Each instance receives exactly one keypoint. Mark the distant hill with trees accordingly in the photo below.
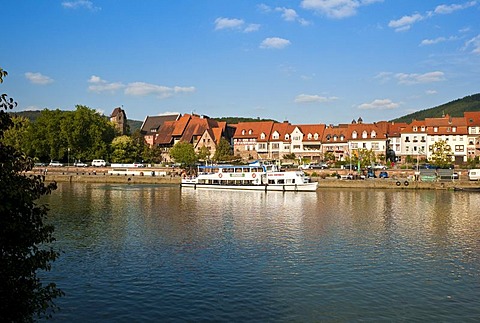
(454, 108)
(34, 114)
(235, 120)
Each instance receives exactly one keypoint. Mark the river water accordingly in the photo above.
(160, 253)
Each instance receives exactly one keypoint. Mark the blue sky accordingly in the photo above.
(305, 61)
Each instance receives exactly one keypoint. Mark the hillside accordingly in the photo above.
(454, 108)
(34, 114)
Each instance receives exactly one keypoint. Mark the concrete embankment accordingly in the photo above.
(401, 183)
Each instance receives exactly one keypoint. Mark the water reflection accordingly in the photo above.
(149, 252)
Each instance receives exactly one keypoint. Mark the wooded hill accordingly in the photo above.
(34, 114)
(454, 108)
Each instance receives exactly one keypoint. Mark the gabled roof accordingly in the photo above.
(472, 118)
(117, 111)
(340, 131)
(253, 130)
(380, 129)
(282, 129)
(312, 129)
(445, 125)
(155, 122)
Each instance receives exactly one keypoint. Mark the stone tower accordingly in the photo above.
(119, 119)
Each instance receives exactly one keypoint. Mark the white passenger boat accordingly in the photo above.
(254, 176)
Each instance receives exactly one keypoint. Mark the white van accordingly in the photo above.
(474, 174)
(98, 163)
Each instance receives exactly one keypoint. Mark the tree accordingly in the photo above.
(184, 153)
(25, 241)
(441, 154)
(124, 150)
(203, 153)
(223, 151)
(17, 135)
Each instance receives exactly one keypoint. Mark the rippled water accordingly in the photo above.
(159, 253)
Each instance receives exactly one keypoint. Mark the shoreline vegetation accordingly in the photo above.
(399, 179)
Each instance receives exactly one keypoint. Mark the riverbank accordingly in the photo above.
(328, 182)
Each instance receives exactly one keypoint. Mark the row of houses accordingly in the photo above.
(274, 140)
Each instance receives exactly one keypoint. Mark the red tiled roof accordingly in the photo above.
(254, 130)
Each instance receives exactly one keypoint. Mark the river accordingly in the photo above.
(160, 253)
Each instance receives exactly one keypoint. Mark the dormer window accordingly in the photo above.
(243, 132)
(309, 136)
(287, 136)
(328, 137)
(262, 135)
(415, 129)
(364, 134)
(373, 134)
(342, 137)
(250, 131)
(354, 135)
(454, 129)
(335, 138)
(315, 136)
(275, 135)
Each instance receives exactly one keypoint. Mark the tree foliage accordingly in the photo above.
(184, 153)
(124, 150)
(223, 151)
(25, 241)
(441, 154)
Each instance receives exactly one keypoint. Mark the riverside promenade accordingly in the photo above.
(399, 179)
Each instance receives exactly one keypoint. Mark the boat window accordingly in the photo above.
(281, 181)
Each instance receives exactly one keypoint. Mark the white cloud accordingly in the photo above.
(473, 43)
(227, 23)
(379, 104)
(336, 8)
(235, 24)
(430, 77)
(144, 89)
(251, 28)
(79, 4)
(426, 42)
(405, 22)
(98, 85)
(447, 9)
(264, 8)
(291, 15)
(431, 92)
(275, 42)
(38, 78)
(307, 98)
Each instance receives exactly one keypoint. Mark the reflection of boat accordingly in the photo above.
(255, 176)
(467, 189)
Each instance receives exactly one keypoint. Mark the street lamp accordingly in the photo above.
(68, 157)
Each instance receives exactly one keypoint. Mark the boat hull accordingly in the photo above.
(307, 187)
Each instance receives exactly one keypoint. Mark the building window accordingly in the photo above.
(243, 132)
(415, 129)
(354, 135)
(373, 134)
(335, 138)
(309, 136)
(454, 129)
(250, 131)
(435, 129)
(459, 148)
(354, 145)
(296, 147)
(375, 146)
(315, 136)
(287, 136)
(407, 139)
(275, 146)
(364, 134)
(262, 135)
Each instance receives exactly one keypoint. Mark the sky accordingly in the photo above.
(302, 61)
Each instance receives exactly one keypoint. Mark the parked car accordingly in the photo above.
(55, 163)
(474, 175)
(371, 174)
(79, 163)
(383, 174)
(98, 163)
(39, 165)
(319, 166)
(347, 166)
(379, 166)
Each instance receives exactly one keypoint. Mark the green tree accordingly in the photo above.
(441, 154)
(124, 150)
(17, 135)
(203, 153)
(25, 241)
(223, 151)
(184, 153)
(367, 157)
(329, 157)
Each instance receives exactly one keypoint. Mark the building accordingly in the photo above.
(119, 119)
